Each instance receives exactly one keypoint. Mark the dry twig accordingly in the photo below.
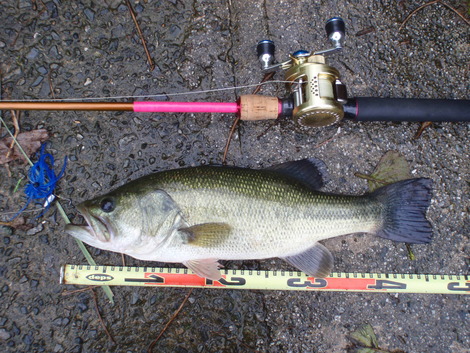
(412, 13)
(99, 316)
(229, 138)
(141, 35)
(365, 31)
(16, 124)
(422, 127)
(456, 12)
(51, 87)
(150, 348)
(329, 139)
(69, 292)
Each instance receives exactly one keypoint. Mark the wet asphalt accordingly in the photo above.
(62, 49)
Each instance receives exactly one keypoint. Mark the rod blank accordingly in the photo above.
(84, 106)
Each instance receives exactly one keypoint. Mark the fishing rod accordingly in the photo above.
(316, 97)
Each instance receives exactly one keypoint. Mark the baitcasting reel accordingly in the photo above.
(317, 92)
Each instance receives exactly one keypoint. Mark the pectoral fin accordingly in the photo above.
(316, 261)
(206, 234)
(208, 268)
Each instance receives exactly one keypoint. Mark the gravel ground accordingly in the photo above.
(91, 49)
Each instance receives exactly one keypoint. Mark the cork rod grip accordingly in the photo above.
(255, 107)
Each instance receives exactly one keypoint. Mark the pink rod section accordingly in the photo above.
(185, 107)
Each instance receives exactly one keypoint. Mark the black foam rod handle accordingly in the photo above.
(405, 109)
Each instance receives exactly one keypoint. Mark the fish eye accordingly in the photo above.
(107, 205)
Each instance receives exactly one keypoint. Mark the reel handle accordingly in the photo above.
(265, 50)
(335, 30)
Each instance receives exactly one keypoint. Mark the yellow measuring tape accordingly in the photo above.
(264, 280)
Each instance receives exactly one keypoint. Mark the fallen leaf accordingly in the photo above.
(366, 341)
(366, 350)
(391, 168)
(365, 336)
(30, 141)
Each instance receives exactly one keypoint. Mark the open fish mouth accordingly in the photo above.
(97, 229)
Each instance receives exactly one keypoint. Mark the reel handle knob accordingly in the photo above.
(265, 50)
(335, 30)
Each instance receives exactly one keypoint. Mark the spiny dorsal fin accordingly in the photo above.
(207, 234)
(316, 261)
(311, 172)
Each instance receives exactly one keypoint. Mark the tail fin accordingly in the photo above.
(405, 204)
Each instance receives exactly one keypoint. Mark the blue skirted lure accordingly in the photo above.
(42, 181)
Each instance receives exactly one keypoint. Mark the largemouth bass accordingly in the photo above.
(199, 215)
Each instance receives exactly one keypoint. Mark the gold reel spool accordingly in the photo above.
(316, 89)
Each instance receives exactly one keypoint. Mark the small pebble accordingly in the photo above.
(44, 238)
(4, 230)
(89, 13)
(82, 307)
(35, 230)
(28, 339)
(33, 54)
(135, 298)
(15, 329)
(153, 299)
(4, 335)
(42, 70)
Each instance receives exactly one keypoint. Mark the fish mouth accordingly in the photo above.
(98, 229)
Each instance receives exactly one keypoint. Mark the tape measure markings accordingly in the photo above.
(265, 280)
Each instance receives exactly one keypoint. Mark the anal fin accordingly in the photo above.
(208, 268)
(316, 261)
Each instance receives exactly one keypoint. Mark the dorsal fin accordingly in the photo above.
(311, 172)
